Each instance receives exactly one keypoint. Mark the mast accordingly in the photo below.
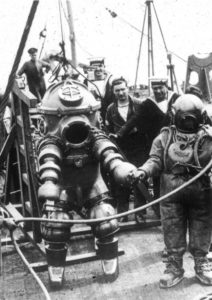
(151, 71)
(72, 34)
(150, 41)
(19, 55)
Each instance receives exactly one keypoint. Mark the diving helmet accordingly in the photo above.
(68, 111)
(188, 113)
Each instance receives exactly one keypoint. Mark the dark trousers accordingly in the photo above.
(137, 156)
(188, 211)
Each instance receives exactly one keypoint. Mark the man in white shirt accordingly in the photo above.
(133, 146)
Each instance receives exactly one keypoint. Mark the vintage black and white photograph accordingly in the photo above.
(106, 150)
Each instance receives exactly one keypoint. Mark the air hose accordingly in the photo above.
(92, 221)
(17, 248)
(136, 210)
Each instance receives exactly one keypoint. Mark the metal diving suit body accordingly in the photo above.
(70, 153)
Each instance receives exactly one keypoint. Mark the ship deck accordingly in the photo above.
(140, 268)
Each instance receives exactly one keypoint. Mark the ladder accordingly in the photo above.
(21, 169)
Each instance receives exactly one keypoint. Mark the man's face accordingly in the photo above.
(33, 56)
(99, 71)
(160, 92)
(121, 92)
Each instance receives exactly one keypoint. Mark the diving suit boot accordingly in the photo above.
(108, 252)
(173, 273)
(56, 264)
(203, 270)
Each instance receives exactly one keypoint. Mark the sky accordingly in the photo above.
(186, 27)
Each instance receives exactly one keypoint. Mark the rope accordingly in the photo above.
(18, 55)
(160, 28)
(136, 210)
(40, 283)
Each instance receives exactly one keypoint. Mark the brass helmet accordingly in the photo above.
(188, 113)
(68, 111)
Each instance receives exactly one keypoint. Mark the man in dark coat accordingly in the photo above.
(151, 115)
(133, 145)
(33, 69)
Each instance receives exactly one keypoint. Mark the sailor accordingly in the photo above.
(152, 114)
(162, 95)
(33, 69)
(178, 153)
(99, 83)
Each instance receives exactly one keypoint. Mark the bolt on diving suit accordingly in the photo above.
(70, 151)
(179, 153)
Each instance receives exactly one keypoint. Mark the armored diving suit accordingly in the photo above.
(178, 153)
(70, 152)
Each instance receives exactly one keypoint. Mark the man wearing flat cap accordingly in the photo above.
(33, 69)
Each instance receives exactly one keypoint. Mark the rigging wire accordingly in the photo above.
(64, 12)
(43, 35)
(83, 49)
(99, 94)
(139, 52)
(172, 73)
(114, 15)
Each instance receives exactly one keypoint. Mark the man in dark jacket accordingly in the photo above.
(33, 69)
(150, 116)
(152, 113)
(133, 145)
